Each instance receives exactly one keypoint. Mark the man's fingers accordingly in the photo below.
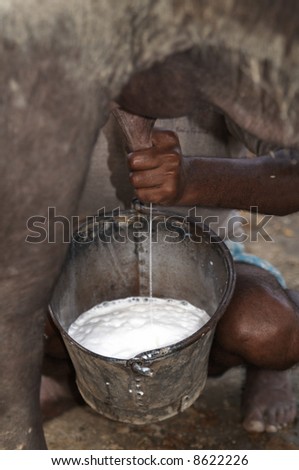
(153, 160)
(155, 172)
(165, 145)
(146, 179)
(143, 160)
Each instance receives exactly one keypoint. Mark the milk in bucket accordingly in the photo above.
(124, 328)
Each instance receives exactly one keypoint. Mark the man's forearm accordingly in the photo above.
(271, 183)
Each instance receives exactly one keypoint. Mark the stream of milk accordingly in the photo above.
(150, 263)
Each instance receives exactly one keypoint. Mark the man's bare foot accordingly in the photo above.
(268, 402)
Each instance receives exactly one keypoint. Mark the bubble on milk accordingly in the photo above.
(124, 328)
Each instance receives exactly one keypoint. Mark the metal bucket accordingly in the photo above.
(109, 259)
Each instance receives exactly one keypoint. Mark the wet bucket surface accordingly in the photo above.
(109, 259)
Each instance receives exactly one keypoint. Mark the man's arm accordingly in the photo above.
(269, 182)
(163, 176)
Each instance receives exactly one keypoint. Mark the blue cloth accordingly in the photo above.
(240, 256)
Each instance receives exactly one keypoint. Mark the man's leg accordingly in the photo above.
(260, 330)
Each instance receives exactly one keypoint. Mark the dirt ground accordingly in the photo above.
(213, 422)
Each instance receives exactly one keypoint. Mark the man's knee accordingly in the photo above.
(261, 324)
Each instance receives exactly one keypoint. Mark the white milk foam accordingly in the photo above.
(124, 328)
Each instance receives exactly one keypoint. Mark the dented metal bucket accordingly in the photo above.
(109, 259)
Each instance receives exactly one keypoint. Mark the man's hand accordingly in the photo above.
(158, 174)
